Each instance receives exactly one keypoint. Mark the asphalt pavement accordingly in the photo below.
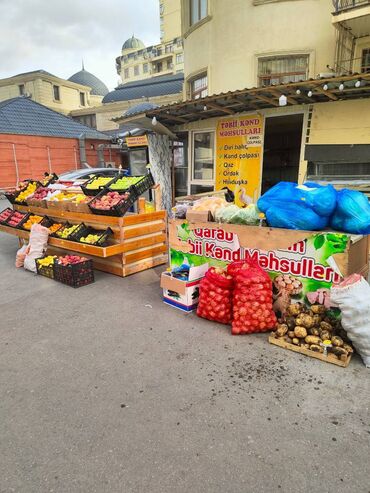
(106, 389)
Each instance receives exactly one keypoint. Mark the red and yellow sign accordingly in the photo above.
(139, 141)
(239, 148)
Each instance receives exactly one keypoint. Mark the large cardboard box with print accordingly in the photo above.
(302, 264)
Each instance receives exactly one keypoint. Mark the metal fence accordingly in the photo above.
(340, 5)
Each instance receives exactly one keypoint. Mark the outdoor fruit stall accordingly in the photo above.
(100, 224)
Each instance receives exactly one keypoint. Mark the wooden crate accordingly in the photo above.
(139, 241)
(330, 358)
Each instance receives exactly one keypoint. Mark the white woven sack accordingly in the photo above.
(38, 243)
(354, 303)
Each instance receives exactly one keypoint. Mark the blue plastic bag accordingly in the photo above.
(292, 206)
(293, 216)
(321, 199)
(352, 214)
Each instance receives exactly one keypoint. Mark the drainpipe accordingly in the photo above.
(101, 161)
(82, 145)
(16, 164)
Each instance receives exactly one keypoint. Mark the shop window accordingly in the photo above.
(145, 68)
(180, 162)
(136, 70)
(180, 58)
(127, 73)
(282, 70)
(199, 87)
(365, 61)
(21, 89)
(56, 93)
(203, 156)
(82, 99)
(198, 10)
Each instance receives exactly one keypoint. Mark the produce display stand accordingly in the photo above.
(329, 358)
(139, 241)
(320, 256)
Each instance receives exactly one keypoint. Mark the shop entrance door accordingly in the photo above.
(282, 149)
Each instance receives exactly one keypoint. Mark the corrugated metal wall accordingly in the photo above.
(35, 155)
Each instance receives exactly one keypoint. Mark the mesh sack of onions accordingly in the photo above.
(252, 301)
(215, 296)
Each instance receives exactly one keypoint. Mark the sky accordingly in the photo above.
(55, 35)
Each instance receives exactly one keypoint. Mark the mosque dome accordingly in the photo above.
(133, 44)
(98, 88)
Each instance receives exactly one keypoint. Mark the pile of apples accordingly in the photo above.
(90, 239)
(71, 260)
(40, 193)
(109, 200)
(99, 181)
(125, 182)
(5, 215)
(65, 232)
(15, 219)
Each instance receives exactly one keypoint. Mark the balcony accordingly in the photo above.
(341, 5)
(353, 15)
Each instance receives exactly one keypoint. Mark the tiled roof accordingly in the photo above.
(26, 117)
(147, 88)
(140, 108)
(40, 71)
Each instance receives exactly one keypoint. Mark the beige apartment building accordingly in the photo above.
(300, 68)
(80, 91)
(138, 61)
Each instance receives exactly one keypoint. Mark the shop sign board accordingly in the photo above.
(239, 155)
(139, 141)
(303, 271)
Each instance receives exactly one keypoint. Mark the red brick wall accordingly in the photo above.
(32, 156)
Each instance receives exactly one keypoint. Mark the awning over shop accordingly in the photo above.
(310, 91)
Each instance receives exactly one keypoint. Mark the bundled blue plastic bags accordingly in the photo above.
(352, 213)
(292, 206)
(314, 207)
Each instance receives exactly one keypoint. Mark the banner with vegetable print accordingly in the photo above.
(303, 272)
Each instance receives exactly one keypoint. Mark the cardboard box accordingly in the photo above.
(183, 295)
(198, 216)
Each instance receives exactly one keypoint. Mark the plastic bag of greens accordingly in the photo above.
(352, 213)
(236, 215)
(225, 214)
(248, 215)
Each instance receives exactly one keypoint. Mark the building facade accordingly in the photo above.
(138, 61)
(286, 64)
(80, 91)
